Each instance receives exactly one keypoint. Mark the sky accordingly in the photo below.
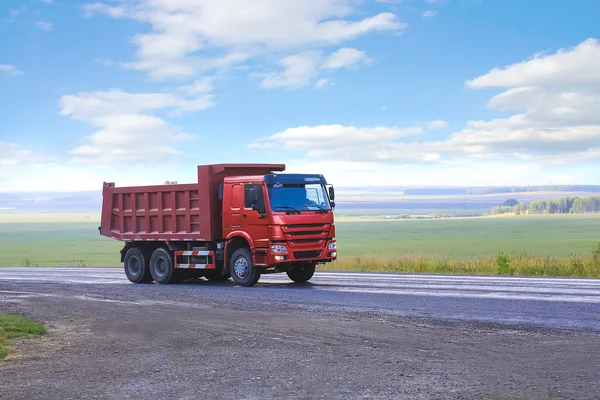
(366, 92)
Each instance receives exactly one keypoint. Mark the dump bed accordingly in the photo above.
(190, 212)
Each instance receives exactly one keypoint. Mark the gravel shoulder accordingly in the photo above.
(115, 348)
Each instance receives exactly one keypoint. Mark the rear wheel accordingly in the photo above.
(302, 273)
(242, 270)
(162, 268)
(136, 265)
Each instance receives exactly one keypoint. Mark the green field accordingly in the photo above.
(461, 245)
(464, 238)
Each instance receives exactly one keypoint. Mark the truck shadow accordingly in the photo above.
(231, 283)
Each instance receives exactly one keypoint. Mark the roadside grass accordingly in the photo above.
(16, 326)
(574, 266)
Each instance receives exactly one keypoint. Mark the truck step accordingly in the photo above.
(209, 255)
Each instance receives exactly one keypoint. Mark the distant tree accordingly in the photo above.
(510, 203)
(564, 205)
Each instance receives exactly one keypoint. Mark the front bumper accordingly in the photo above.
(293, 254)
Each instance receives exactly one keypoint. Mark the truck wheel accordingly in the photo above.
(242, 270)
(161, 267)
(302, 273)
(136, 266)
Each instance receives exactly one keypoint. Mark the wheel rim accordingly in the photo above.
(160, 267)
(133, 266)
(241, 267)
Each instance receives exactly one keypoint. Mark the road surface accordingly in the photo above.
(343, 335)
(543, 302)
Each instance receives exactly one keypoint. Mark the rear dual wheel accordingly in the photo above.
(137, 265)
(162, 268)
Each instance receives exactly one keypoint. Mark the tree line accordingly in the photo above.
(563, 205)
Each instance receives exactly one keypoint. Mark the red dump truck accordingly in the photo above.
(238, 221)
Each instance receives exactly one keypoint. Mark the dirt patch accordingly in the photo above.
(57, 339)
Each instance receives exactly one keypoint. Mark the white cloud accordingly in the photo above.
(128, 131)
(352, 174)
(322, 83)
(558, 96)
(68, 177)
(345, 57)
(437, 125)
(10, 154)
(9, 70)
(301, 69)
(298, 70)
(46, 26)
(574, 66)
(14, 160)
(429, 14)
(186, 34)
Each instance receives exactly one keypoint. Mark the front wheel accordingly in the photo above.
(241, 268)
(302, 273)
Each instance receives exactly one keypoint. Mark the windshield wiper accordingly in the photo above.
(321, 208)
(292, 209)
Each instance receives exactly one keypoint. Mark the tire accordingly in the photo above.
(162, 269)
(302, 273)
(241, 268)
(136, 266)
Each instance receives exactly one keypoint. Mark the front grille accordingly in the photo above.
(307, 254)
(307, 233)
(296, 226)
(298, 241)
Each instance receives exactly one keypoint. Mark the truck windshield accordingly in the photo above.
(298, 197)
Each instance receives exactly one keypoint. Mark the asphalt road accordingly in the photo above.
(342, 336)
(541, 302)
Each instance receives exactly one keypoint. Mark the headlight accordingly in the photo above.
(332, 246)
(278, 249)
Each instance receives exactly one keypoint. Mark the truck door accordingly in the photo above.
(237, 196)
(253, 220)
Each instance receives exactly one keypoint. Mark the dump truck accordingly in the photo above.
(238, 221)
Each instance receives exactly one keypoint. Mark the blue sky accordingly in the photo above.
(371, 92)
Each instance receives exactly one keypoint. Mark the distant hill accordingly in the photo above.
(49, 202)
(471, 190)
(527, 189)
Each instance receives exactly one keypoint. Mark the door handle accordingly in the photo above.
(244, 215)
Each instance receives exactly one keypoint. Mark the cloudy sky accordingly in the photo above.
(367, 92)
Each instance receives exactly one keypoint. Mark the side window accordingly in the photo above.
(248, 195)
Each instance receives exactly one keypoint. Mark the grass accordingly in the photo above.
(52, 244)
(550, 245)
(16, 326)
(580, 266)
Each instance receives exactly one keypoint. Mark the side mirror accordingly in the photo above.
(331, 193)
(257, 205)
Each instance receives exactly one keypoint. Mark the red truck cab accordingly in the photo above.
(287, 219)
(238, 221)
